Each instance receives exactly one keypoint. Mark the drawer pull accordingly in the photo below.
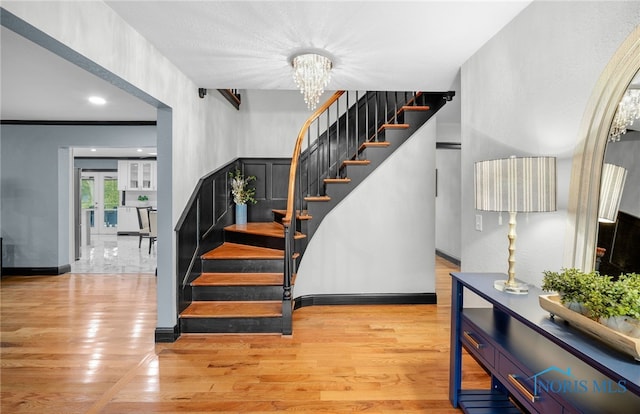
(513, 379)
(474, 343)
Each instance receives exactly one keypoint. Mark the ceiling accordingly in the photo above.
(375, 45)
(381, 45)
(39, 85)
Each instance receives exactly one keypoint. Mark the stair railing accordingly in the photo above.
(327, 146)
(289, 232)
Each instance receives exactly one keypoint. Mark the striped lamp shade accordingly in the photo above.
(611, 186)
(526, 184)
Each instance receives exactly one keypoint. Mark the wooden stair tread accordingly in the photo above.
(337, 180)
(271, 229)
(242, 251)
(233, 309)
(317, 198)
(415, 108)
(300, 215)
(393, 126)
(374, 144)
(238, 279)
(356, 162)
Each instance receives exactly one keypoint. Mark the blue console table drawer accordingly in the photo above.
(520, 383)
(477, 344)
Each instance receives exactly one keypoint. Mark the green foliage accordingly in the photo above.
(111, 194)
(242, 193)
(86, 193)
(600, 294)
(143, 198)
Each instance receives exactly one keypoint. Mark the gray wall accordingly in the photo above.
(448, 202)
(271, 121)
(525, 92)
(96, 163)
(36, 186)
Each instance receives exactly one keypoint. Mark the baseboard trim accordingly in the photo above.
(367, 299)
(36, 271)
(167, 334)
(447, 257)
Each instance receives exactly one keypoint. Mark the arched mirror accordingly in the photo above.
(620, 74)
(619, 208)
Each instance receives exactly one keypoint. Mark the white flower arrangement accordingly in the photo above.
(242, 194)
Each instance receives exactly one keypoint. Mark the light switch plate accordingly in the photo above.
(478, 222)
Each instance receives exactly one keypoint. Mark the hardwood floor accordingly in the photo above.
(84, 344)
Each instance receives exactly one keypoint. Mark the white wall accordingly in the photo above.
(387, 247)
(525, 92)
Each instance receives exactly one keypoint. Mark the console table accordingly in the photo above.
(537, 363)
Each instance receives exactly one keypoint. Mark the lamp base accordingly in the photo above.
(517, 288)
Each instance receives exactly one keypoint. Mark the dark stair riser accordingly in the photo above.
(237, 293)
(255, 240)
(416, 117)
(231, 325)
(243, 266)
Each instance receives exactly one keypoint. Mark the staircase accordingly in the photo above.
(240, 288)
(243, 283)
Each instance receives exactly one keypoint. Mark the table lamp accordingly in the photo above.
(514, 185)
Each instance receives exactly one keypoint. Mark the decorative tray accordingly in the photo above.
(615, 339)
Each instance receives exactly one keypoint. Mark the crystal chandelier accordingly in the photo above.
(628, 111)
(312, 73)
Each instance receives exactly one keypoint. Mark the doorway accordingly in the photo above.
(99, 198)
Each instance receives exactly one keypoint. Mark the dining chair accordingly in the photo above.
(153, 227)
(143, 222)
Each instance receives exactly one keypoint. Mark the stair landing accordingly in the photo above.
(270, 229)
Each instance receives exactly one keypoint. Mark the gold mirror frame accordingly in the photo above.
(589, 155)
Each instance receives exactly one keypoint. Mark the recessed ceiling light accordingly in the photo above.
(93, 150)
(153, 153)
(96, 100)
(139, 150)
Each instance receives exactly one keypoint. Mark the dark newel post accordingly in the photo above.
(395, 107)
(347, 127)
(377, 110)
(337, 139)
(328, 165)
(366, 119)
(307, 167)
(357, 135)
(299, 199)
(287, 328)
(318, 157)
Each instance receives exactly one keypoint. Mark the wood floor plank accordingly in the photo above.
(85, 344)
